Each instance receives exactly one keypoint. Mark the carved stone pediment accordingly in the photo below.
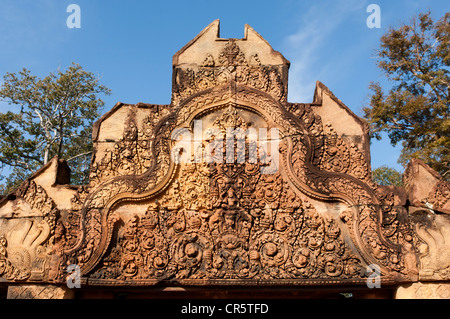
(230, 184)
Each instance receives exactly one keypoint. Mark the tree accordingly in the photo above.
(415, 110)
(385, 175)
(55, 115)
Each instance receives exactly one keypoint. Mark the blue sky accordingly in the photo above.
(130, 44)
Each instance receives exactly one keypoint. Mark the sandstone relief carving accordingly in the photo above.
(230, 184)
(25, 243)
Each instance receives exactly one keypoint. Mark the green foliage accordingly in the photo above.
(415, 111)
(385, 175)
(55, 117)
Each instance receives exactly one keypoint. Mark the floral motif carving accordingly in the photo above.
(341, 157)
(187, 208)
(374, 221)
(145, 218)
(230, 65)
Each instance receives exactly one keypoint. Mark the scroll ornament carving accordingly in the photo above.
(439, 196)
(343, 158)
(380, 226)
(260, 231)
(230, 64)
(430, 237)
(131, 155)
(267, 254)
(220, 222)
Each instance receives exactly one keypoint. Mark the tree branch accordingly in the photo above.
(79, 155)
